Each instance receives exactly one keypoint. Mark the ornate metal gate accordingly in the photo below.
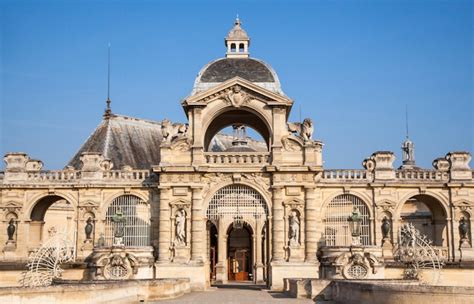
(336, 226)
(236, 200)
(137, 221)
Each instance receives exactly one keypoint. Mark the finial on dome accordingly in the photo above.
(237, 41)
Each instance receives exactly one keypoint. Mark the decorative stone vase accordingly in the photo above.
(88, 228)
(463, 228)
(385, 227)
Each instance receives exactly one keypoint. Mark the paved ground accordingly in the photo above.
(236, 293)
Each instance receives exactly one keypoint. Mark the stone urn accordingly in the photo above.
(385, 227)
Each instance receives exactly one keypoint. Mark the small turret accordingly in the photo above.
(237, 42)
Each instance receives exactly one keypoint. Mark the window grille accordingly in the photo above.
(234, 200)
(336, 226)
(137, 225)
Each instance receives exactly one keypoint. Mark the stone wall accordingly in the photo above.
(98, 292)
(378, 291)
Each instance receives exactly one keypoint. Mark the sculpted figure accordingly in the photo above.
(294, 228)
(11, 229)
(88, 228)
(170, 130)
(305, 129)
(180, 227)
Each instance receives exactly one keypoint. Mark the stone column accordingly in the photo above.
(198, 228)
(164, 241)
(221, 266)
(311, 237)
(278, 227)
(258, 274)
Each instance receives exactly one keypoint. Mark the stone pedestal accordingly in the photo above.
(387, 249)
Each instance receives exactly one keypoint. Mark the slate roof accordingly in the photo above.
(135, 142)
(248, 68)
(126, 141)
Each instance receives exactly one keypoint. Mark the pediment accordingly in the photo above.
(12, 204)
(237, 91)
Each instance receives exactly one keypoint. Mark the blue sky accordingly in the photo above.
(352, 66)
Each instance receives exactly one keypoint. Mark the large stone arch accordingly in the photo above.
(364, 197)
(225, 116)
(336, 227)
(444, 202)
(214, 189)
(109, 199)
(33, 201)
(435, 224)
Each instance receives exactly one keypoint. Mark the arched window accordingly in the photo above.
(336, 226)
(241, 48)
(137, 221)
(237, 200)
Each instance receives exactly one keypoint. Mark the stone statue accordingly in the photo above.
(305, 129)
(119, 227)
(385, 227)
(11, 229)
(170, 130)
(294, 228)
(88, 228)
(180, 223)
(463, 228)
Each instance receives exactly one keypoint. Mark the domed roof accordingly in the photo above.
(251, 69)
(227, 68)
(237, 64)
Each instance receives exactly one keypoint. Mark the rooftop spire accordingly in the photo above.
(108, 110)
(408, 148)
(237, 41)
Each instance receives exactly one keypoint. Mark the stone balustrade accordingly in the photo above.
(54, 176)
(77, 176)
(415, 175)
(346, 175)
(241, 158)
(133, 175)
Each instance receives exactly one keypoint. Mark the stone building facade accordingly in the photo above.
(212, 207)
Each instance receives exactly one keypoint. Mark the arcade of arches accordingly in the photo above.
(149, 199)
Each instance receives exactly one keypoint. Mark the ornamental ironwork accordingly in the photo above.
(415, 250)
(45, 263)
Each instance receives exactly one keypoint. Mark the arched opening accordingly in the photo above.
(233, 47)
(336, 225)
(237, 138)
(241, 48)
(239, 214)
(136, 224)
(239, 253)
(240, 117)
(427, 214)
(49, 215)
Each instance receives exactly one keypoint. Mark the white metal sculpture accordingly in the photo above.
(416, 252)
(45, 263)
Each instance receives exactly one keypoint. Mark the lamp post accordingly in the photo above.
(354, 225)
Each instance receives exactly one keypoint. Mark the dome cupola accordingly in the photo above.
(237, 41)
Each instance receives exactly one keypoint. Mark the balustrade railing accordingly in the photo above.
(240, 158)
(415, 175)
(346, 175)
(54, 175)
(134, 175)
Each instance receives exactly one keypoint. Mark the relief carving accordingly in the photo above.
(236, 96)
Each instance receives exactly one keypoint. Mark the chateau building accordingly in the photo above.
(156, 199)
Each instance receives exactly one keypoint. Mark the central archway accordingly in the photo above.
(240, 116)
(239, 214)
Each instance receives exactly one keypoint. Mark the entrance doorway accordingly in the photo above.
(239, 254)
